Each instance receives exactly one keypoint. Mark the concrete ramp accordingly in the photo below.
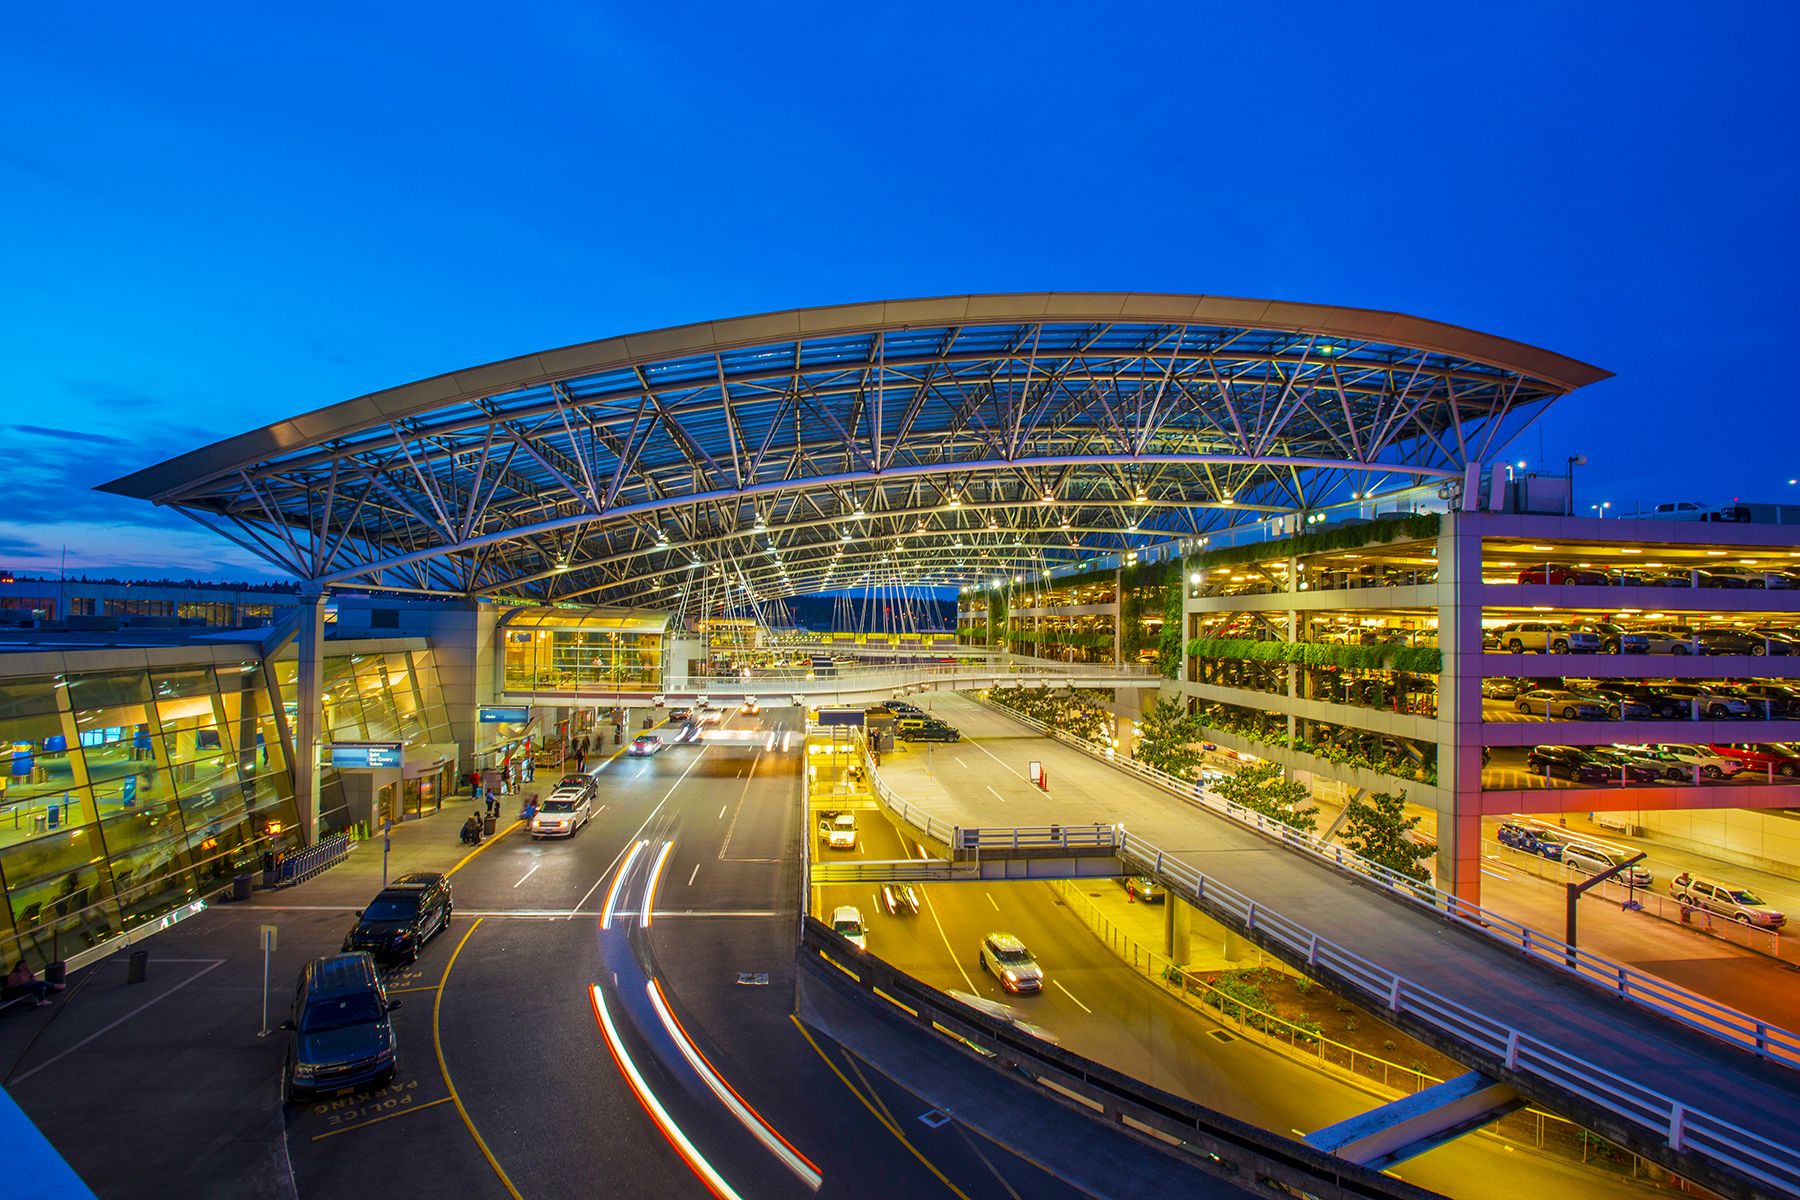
(1423, 1121)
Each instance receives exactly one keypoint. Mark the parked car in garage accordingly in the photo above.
(1710, 763)
(1547, 637)
(1495, 688)
(1561, 702)
(1557, 574)
(1616, 639)
(1622, 764)
(1566, 762)
(1710, 701)
(1778, 758)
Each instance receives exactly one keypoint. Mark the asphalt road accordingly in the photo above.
(1099, 1008)
(981, 782)
(549, 1091)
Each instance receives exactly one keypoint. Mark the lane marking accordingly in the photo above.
(696, 871)
(330, 1133)
(1071, 995)
(213, 965)
(996, 795)
(990, 900)
(954, 956)
(528, 874)
(722, 809)
(883, 1121)
(437, 1044)
(999, 760)
(423, 987)
(960, 762)
(486, 843)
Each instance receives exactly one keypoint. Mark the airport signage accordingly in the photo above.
(504, 714)
(365, 756)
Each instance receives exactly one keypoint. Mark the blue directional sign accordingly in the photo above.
(367, 755)
(502, 714)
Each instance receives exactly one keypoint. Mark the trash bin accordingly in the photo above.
(56, 974)
(240, 886)
(487, 827)
(137, 968)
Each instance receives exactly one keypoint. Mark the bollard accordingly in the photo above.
(137, 967)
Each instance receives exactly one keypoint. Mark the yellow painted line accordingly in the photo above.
(430, 987)
(330, 1133)
(437, 1044)
(486, 842)
(876, 1113)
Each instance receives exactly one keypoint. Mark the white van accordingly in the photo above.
(1590, 859)
(847, 923)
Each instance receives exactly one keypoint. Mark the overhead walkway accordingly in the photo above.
(1675, 1093)
(844, 683)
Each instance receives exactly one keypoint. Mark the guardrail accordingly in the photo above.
(1692, 1009)
(304, 864)
(1038, 837)
(1211, 1141)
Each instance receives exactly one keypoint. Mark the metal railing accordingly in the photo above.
(1692, 1009)
(1037, 837)
(304, 864)
(1684, 1129)
(1532, 1126)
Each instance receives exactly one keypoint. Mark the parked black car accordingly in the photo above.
(342, 1036)
(1720, 641)
(1568, 763)
(403, 917)
(931, 732)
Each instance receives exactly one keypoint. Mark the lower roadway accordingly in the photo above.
(1098, 1007)
(982, 782)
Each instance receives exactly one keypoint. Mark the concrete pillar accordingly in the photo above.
(309, 712)
(1459, 727)
(1178, 928)
(1234, 947)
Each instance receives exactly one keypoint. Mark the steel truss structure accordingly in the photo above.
(929, 442)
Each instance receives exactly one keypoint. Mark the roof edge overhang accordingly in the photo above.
(351, 416)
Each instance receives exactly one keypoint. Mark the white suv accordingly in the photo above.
(1546, 637)
(1006, 959)
(841, 833)
(847, 923)
(1726, 900)
(563, 812)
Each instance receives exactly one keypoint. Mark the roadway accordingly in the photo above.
(507, 1084)
(982, 782)
(1098, 1007)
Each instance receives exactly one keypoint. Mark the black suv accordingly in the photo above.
(403, 917)
(931, 732)
(342, 1036)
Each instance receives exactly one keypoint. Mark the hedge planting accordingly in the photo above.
(1414, 660)
(1348, 537)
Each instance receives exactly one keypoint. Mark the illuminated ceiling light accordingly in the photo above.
(1226, 498)
(1194, 577)
(1047, 498)
(1142, 497)
(562, 566)
(1065, 524)
(955, 501)
(760, 524)
(859, 514)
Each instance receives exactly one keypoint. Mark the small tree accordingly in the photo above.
(1263, 789)
(1375, 826)
(1166, 737)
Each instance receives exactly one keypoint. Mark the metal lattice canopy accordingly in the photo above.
(927, 442)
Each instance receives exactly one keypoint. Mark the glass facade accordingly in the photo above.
(126, 792)
(568, 650)
(373, 696)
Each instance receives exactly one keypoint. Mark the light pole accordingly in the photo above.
(1575, 460)
(1599, 510)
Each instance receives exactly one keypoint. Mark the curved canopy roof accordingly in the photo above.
(918, 441)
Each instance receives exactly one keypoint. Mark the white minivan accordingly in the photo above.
(847, 923)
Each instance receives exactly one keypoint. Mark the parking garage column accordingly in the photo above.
(309, 711)
(1459, 728)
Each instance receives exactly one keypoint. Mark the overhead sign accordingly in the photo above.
(503, 714)
(366, 755)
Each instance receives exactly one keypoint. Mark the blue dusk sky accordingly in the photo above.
(215, 216)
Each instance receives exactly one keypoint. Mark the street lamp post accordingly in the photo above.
(1575, 460)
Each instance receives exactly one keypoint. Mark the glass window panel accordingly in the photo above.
(102, 690)
(29, 694)
(35, 759)
(197, 681)
(57, 890)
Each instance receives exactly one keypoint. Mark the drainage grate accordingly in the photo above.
(937, 1118)
(753, 979)
(1221, 1035)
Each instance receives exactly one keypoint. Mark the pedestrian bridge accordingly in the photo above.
(847, 683)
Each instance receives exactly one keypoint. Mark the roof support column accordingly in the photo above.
(309, 712)
(1459, 728)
